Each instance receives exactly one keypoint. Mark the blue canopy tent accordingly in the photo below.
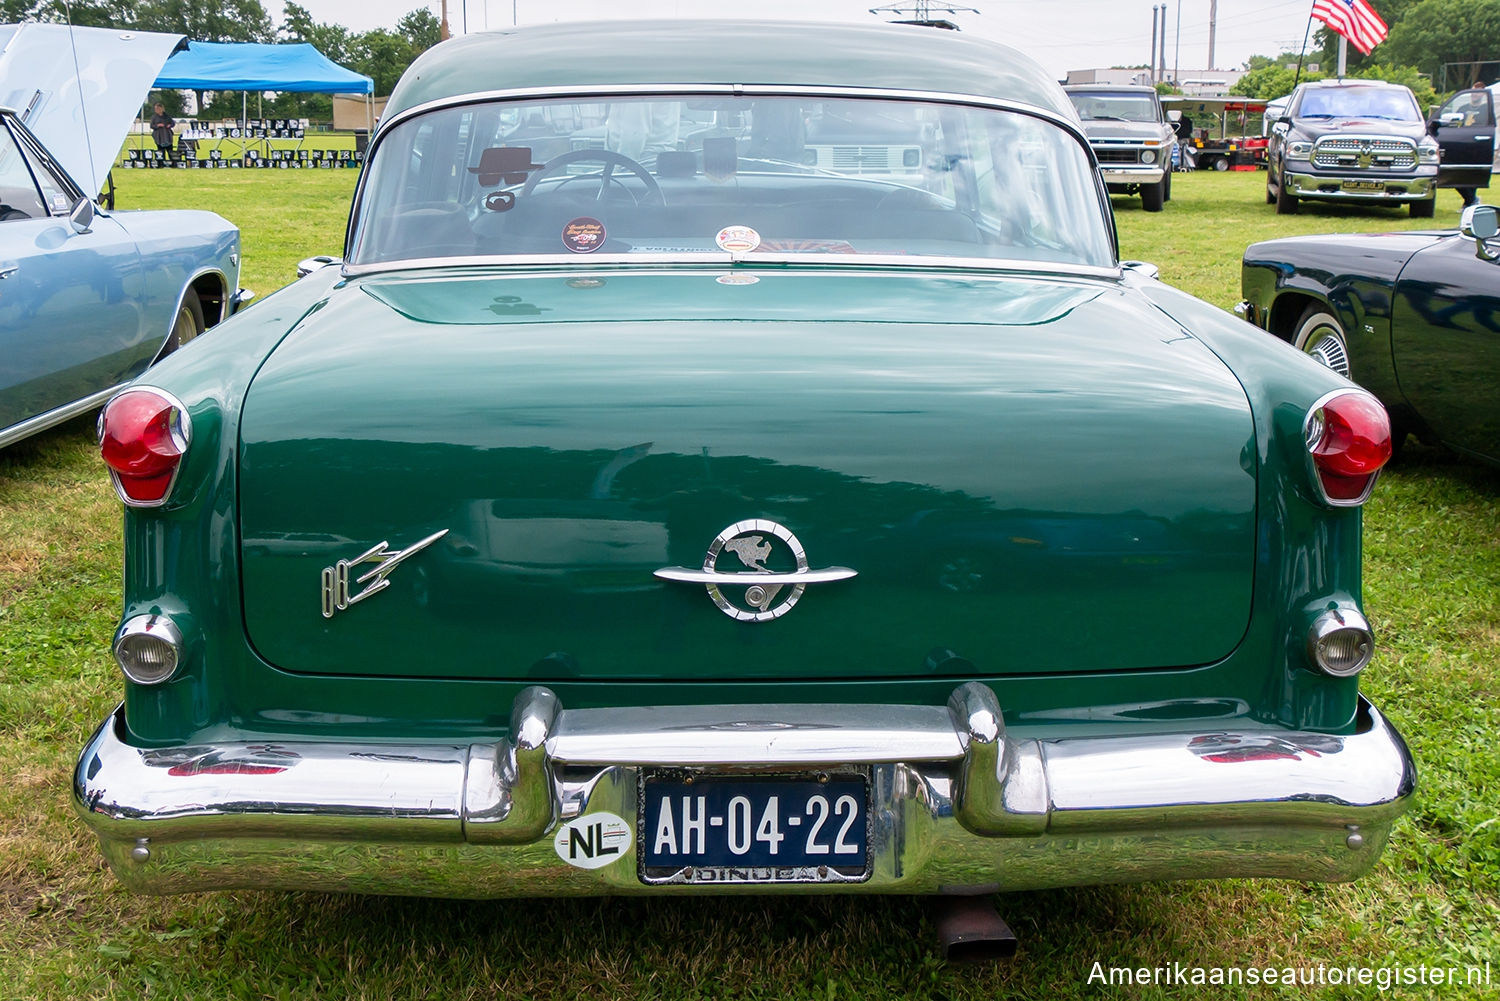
(247, 66)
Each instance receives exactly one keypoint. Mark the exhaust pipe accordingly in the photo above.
(970, 931)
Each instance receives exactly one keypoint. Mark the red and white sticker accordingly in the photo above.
(737, 239)
(593, 841)
(583, 235)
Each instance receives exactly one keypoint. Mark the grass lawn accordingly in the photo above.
(1432, 590)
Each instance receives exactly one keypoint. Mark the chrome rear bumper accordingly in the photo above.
(956, 805)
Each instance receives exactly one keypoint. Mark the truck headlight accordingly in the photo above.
(1148, 156)
(1299, 150)
(1427, 151)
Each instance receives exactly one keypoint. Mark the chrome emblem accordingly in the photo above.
(336, 596)
(752, 543)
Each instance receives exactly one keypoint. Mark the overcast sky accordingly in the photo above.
(1060, 34)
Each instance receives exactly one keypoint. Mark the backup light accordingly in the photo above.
(1348, 437)
(143, 434)
(148, 648)
(1340, 642)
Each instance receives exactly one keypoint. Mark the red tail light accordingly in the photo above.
(143, 434)
(1349, 439)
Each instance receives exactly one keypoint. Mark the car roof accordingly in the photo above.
(1322, 84)
(573, 55)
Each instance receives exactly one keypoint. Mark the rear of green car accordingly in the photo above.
(652, 529)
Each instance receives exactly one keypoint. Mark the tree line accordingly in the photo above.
(1433, 44)
(380, 54)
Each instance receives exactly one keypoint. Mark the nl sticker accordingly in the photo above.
(583, 235)
(592, 841)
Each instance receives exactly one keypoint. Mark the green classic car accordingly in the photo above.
(646, 505)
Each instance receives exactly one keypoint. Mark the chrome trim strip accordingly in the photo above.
(753, 577)
(870, 262)
(986, 811)
(754, 735)
(66, 412)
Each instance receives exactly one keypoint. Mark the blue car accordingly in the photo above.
(89, 299)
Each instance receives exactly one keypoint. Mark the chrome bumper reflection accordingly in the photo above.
(964, 806)
(1143, 174)
(1413, 188)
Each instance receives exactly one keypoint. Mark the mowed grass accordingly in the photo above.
(1432, 590)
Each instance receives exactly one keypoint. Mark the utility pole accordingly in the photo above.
(1164, 40)
(1213, 23)
(443, 33)
(1154, 9)
(1177, 49)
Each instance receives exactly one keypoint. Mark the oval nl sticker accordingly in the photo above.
(593, 841)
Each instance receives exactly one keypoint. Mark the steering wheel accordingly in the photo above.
(610, 159)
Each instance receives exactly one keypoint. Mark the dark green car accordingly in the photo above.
(649, 503)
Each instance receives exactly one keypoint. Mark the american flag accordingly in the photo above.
(1356, 20)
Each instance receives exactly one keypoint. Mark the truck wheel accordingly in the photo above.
(1286, 203)
(1222, 163)
(1423, 209)
(1320, 335)
(1270, 192)
(1166, 191)
(1153, 195)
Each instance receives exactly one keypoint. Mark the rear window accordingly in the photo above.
(769, 175)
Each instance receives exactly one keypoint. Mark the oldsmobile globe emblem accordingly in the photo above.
(756, 593)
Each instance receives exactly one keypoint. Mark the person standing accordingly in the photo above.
(161, 128)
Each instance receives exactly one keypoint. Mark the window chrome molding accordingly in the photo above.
(719, 260)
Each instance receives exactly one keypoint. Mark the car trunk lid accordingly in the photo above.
(1025, 475)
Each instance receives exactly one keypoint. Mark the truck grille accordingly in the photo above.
(1118, 155)
(1363, 152)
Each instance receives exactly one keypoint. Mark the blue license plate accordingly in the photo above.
(737, 829)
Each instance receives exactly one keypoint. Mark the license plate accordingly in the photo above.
(737, 829)
(1364, 185)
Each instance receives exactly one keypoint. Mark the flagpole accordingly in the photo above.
(1343, 55)
(1306, 34)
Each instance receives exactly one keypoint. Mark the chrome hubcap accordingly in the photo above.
(1328, 348)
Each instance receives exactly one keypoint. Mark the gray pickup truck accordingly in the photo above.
(1131, 139)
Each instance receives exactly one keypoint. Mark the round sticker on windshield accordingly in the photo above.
(737, 239)
(737, 280)
(583, 235)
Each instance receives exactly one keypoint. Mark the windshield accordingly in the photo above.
(770, 175)
(1115, 107)
(1392, 103)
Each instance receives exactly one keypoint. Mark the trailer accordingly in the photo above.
(1224, 133)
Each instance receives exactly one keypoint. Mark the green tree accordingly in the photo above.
(1435, 32)
(382, 56)
(1270, 82)
(1410, 76)
(421, 28)
(330, 39)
